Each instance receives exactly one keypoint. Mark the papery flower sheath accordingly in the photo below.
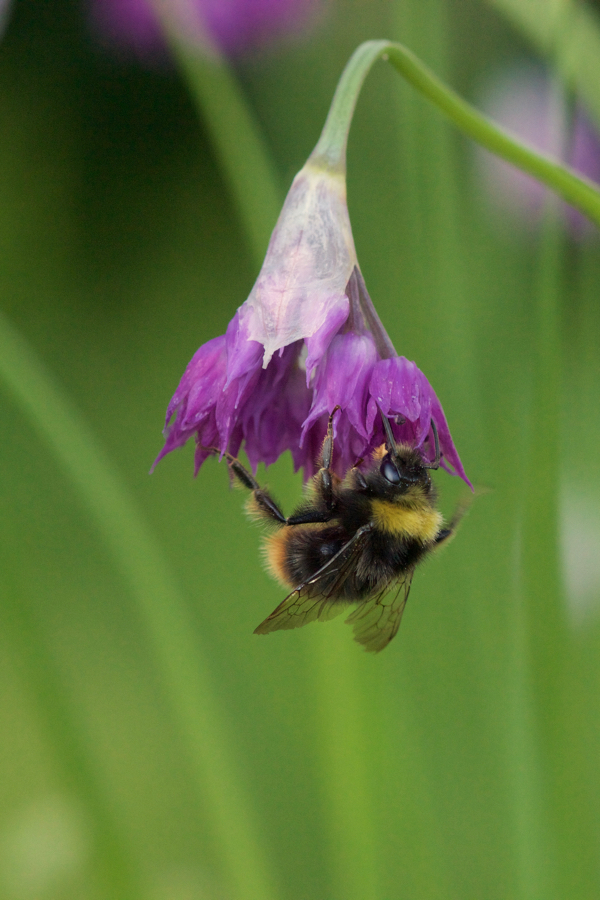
(307, 340)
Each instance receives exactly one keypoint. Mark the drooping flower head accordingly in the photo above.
(234, 26)
(307, 340)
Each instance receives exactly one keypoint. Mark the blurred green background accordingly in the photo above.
(151, 746)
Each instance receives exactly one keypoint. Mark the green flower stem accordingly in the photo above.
(162, 609)
(112, 860)
(331, 147)
(239, 145)
(347, 782)
(545, 632)
(550, 647)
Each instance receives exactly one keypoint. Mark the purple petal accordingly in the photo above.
(201, 384)
(273, 414)
(243, 354)
(317, 343)
(349, 445)
(398, 388)
(202, 451)
(342, 379)
(195, 399)
(450, 458)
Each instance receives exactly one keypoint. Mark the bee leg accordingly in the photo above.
(450, 530)
(265, 505)
(444, 534)
(325, 472)
(359, 478)
(327, 451)
(324, 482)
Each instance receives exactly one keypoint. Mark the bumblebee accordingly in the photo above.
(355, 541)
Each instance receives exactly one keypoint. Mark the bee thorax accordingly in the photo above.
(420, 524)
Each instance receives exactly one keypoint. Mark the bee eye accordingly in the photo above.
(389, 471)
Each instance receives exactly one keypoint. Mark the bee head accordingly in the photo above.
(403, 469)
(403, 466)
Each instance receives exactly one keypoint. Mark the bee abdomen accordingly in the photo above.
(293, 555)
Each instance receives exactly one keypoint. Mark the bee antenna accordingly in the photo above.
(389, 434)
(436, 463)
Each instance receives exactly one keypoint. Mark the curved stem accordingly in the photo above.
(330, 151)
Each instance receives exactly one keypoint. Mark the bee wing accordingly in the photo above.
(376, 621)
(313, 599)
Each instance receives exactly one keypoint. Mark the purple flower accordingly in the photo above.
(235, 26)
(306, 340)
(520, 99)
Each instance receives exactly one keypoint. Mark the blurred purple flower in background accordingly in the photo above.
(306, 340)
(234, 26)
(519, 97)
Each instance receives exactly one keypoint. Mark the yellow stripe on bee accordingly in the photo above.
(421, 524)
